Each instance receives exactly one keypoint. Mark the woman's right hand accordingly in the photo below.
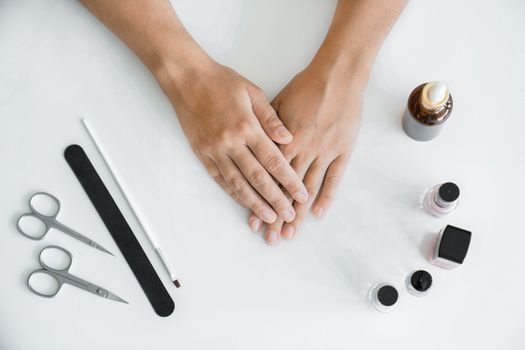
(232, 128)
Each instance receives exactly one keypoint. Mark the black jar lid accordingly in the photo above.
(421, 280)
(387, 295)
(449, 192)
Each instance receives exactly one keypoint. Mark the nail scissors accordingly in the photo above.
(48, 219)
(58, 272)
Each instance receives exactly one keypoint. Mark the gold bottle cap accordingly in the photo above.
(434, 95)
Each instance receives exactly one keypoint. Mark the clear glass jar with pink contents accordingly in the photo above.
(441, 199)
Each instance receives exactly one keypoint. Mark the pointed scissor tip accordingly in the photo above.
(99, 247)
(114, 297)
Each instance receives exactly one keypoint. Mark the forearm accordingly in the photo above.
(153, 31)
(358, 29)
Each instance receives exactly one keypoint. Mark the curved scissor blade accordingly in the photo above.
(66, 277)
(76, 235)
(116, 298)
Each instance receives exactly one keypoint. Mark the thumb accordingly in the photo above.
(270, 122)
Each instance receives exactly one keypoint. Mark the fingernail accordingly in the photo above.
(301, 196)
(284, 133)
(288, 215)
(318, 212)
(272, 237)
(254, 223)
(288, 231)
(268, 216)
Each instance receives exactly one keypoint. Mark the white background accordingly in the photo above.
(58, 63)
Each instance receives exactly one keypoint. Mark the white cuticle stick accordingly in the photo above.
(131, 202)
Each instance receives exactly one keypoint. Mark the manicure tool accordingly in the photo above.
(154, 242)
(61, 276)
(48, 219)
(119, 229)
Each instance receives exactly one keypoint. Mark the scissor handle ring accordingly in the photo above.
(52, 269)
(45, 194)
(49, 273)
(33, 237)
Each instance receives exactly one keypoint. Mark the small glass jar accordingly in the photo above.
(441, 199)
(383, 297)
(419, 283)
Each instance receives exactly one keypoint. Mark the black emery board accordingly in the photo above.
(116, 224)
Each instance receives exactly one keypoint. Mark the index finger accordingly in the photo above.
(271, 158)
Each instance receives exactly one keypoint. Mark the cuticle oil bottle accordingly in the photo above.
(429, 106)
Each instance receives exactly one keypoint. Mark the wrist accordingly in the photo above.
(345, 70)
(176, 63)
(354, 38)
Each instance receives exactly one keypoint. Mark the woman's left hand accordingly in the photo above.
(323, 113)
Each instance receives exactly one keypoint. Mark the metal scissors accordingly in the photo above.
(48, 219)
(59, 274)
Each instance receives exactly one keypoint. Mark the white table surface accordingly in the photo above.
(58, 63)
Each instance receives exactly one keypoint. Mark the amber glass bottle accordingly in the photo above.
(429, 106)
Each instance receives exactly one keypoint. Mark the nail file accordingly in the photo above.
(119, 229)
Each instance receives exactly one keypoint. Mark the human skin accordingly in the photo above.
(321, 106)
(239, 137)
(231, 126)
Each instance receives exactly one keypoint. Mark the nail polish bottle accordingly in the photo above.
(383, 297)
(428, 108)
(451, 247)
(441, 199)
(419, 283)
